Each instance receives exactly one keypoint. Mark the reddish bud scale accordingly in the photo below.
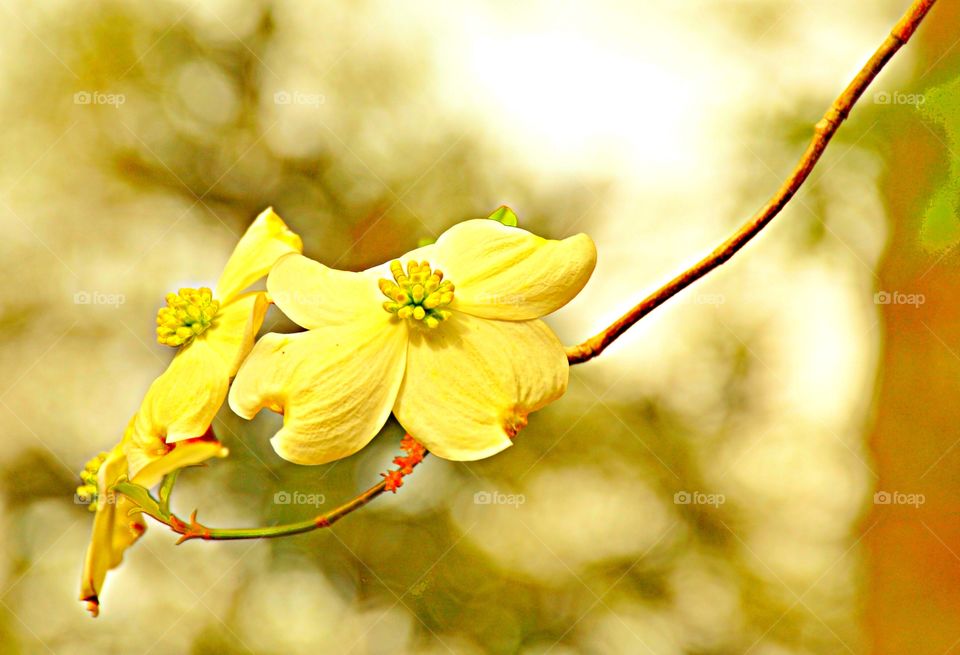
(393, 480)
(192, 530)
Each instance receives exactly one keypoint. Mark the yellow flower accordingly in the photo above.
(118, 524)
(214, 331)
(458, 356)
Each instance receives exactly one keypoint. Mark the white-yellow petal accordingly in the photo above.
(335, 386)
(183, 401)
(471, 382)
(266, 240)
(313, 295)
(510, 274)
(235, 328)
(182, 454)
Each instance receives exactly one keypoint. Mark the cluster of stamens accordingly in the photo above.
(188, 313)
(87, 492)
(419, 293)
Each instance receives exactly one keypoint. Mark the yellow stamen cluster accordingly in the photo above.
(188, 313)
(419, 293)
(87, 492)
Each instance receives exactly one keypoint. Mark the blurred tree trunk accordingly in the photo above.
(913, 586)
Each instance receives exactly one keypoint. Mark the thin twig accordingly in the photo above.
(823, 133)
(193, 529)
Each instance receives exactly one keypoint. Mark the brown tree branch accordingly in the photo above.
(823, 133)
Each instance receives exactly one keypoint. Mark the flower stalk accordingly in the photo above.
(159, 508)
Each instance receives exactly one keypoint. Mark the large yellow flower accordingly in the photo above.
(118, 524)
(214, 331)
(458, 356)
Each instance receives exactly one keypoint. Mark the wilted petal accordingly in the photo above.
(507, 273)
(471, 382)
(114, 530)
(334, 385)
(266, 240)
(118, 523)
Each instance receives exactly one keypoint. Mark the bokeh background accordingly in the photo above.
(766, 465)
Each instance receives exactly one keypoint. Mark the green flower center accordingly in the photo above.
(188, 313)
(87, 492)
(418, 294)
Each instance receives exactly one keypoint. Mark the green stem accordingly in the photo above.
(166, 489)
(192, 529)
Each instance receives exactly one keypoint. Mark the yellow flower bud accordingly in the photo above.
(188, 313)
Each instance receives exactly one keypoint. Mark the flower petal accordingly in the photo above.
(114, 530)
(182, 402)
(510, 274)
(266, 240)
(334, 385)
(471, 382)
(234, 329)
(313, 295)
(117, 524)
(182, 454)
